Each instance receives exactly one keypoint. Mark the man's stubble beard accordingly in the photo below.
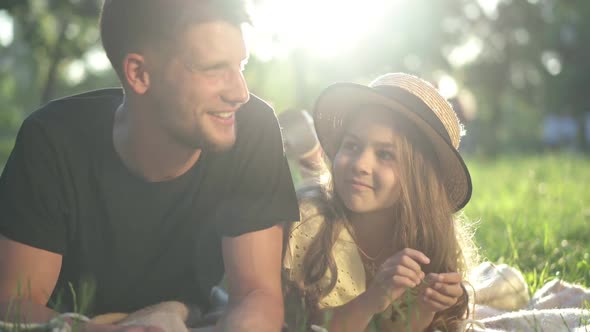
(199, 140)
(192, 138)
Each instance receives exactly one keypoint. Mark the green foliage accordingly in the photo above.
(534, 212)
(47, 37)
(509, 78)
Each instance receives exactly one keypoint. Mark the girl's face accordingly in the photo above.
(366, 168)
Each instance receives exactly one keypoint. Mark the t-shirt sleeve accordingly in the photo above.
(30, 203)
(262, 193)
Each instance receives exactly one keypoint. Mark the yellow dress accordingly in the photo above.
(351, 272)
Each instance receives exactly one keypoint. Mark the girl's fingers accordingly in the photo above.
(415, 255)
(432, 295)
(401, 281)
(446, 283)
(404, 271)
(450, 290)
(396, 287)
(432, 305)
(449, 278)
(404, 261)
(409, 257)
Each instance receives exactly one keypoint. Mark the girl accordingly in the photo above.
(379, 244)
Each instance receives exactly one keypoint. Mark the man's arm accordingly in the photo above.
(253, 270)
(27, 278)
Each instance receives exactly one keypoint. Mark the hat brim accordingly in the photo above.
(338, 100)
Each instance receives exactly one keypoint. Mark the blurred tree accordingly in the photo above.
(570, 32)
(520, 59)
(49, 37)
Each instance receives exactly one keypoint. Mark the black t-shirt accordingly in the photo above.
(64, 189)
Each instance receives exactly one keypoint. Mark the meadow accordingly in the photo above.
(533, 212)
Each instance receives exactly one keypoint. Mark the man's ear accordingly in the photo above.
(135, 73)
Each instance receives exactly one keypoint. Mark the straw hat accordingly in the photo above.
(412, 97)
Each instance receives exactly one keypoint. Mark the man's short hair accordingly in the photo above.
(130, 26)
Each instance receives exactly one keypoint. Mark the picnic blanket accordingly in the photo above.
(501, 302)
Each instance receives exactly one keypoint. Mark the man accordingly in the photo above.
(148, 195)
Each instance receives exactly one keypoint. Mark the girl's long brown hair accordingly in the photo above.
(423, 220)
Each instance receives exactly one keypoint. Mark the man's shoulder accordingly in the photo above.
(256, 111)
(77, 107)
(257, 104)
(74, 120)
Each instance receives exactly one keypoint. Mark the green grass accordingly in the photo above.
(533, 212)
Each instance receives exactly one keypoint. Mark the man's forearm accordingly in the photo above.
(25, 311)
(28, 312)
(258, 311)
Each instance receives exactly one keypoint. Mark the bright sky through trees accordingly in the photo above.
(6, 28)
(322, 28)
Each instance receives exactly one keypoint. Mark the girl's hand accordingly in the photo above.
(443, 291)
(398, 273)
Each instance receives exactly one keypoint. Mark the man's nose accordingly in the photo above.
(236, 92)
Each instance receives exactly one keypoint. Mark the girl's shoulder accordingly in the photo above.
(300, 236)
(350, 270)
(312, 206)
(302, 233)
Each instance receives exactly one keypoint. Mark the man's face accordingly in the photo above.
(198, 90)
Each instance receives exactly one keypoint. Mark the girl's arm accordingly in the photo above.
(395, 275)
(443, 291)
(353, 316)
